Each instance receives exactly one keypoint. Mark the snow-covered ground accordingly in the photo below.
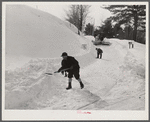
(115, 82)
(118, 78)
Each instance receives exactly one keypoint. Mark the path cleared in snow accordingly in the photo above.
(119, 78)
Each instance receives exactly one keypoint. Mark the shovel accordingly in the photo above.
(57, 71)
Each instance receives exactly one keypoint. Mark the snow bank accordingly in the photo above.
(29, 81)
(32, 33)
(32, 36)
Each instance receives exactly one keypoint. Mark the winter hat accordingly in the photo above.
(64, 54)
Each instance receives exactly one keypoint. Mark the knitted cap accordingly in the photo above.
(64, 54)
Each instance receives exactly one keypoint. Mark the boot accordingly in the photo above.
(69, 86)
(82, 85)
(65, 74)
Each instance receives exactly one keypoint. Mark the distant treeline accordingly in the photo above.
(127, 22)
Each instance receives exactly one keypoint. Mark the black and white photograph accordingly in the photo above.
(75, 60)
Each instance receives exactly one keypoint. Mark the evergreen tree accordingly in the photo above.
(89, 29)
(106, 29)
(130, 14)
(117, 31)
(128, 32)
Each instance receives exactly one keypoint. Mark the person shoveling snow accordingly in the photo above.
(71, 65)
(99, 52)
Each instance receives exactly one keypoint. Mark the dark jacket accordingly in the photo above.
(99, 50)
(68, 63)
(101, 38)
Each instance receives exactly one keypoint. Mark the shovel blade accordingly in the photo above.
(49, 73)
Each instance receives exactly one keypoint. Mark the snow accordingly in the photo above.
(115, 82)
(32, 33)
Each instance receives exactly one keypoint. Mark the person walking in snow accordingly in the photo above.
(73, 68)
(99, 52)
(130, 44)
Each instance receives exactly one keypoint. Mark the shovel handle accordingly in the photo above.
(57, 71)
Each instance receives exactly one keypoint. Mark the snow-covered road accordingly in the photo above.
(118, 79)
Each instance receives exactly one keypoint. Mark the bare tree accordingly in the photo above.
(77, 15)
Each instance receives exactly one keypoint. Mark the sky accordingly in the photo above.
(96, 16)
(96, 13)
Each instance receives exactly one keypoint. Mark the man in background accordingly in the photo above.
(99, 52)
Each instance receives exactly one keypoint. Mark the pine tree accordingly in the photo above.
(89, 29)
(106, 29)
(130, 14)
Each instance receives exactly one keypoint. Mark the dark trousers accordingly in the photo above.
(130, 45)
(99, 54)
(74, 72)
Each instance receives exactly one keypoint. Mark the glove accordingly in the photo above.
(71, 67)
(56, 72)
(62, 72)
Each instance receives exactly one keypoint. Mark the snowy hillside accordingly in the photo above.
(31, 33)
(115, 82)
(34, 43)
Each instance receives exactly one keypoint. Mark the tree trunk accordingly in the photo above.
(81, 17)
(135, 24)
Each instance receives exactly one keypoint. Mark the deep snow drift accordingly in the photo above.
(38, 38)
(115, 82)
(31, 33)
